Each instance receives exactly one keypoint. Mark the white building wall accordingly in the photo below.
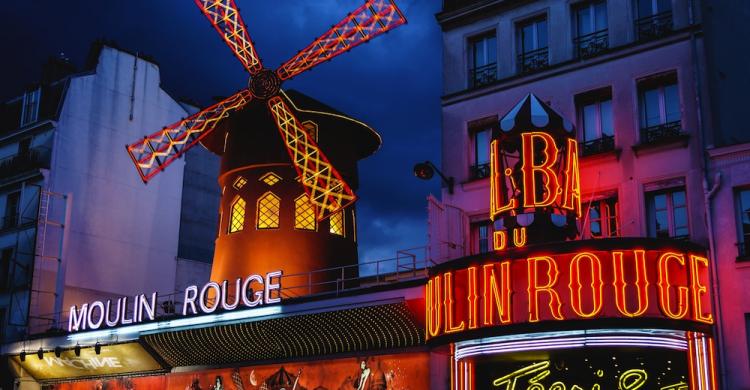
(122, 236)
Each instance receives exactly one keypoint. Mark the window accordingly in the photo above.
(239, 182)
(482, 59)
(12, 204)
(481, 165)
(601, 220)
(304, 214)
(336, 222)
(269, 206)
(482, 233)
(659, 109)
(312, 129)
(591, 28)
(654, 18)
(237, 220)
(30, 107)
(270, 178)
(597, 132)
(667, 214)
(532, 44)
(742, 205)
(6, 261)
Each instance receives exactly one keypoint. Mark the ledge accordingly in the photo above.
(680, 141)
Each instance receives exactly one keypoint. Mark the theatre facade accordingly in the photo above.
(544, 310)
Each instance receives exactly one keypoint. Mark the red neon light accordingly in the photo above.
(432, 301)
(450, 327)
(576, 287)
(472, 297)
(572, 181)
(494, 297)
(531, 168)
(698, 290)
(641, 282)
(665, 284)
(535, 288)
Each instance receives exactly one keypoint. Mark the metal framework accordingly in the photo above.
(324, 185)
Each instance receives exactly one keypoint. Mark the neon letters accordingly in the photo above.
(581, 285)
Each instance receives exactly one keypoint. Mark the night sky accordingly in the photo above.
(393, 83)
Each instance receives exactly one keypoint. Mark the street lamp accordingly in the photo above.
(425, 171)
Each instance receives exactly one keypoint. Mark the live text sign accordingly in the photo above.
(627, 283)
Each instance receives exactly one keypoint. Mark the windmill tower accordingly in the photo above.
(285, 203)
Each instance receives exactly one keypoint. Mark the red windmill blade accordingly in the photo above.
(154, 152)
(365, 23)
(323, 184)
(226, 19)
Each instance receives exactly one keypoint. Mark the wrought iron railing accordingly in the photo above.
(34, 158)
(655, 26)
(664, 132)
(479, 171)
(408, 264)
(531, 61)
(600, 145)
(590, 45)
(483, 75)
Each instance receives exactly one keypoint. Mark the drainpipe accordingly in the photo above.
(708, 195)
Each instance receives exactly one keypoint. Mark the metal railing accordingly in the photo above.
(483, 75)
(408, 264)
(654, 26)
(479, 171)
(663, 132)
(592, 44)
(600, 145)
(534, 60)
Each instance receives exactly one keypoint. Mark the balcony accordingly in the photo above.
(35, 158)
(653, 27)
(593, 44)
(666, 132)
(483, 75)
(600, 145)
(532, 61)
(479, 171)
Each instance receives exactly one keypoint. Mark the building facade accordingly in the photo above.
(77, 219)
(633, 76)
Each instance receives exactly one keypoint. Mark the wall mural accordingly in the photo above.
(385, 372)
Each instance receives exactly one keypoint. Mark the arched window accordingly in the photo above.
(336, 221)
(237, 220)
(268, 211)
(304, 213)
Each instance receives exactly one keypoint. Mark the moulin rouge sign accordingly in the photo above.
(535, 198)
(251, 291)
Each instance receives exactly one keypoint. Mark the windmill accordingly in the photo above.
(324, 185)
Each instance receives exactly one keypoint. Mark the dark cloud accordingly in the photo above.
(391, 83)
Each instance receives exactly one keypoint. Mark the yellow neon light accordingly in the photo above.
(491, 294)
(530, 168)
(596, 284)
(449, 305)
(665, 285)
(534, 288)
(698, 289)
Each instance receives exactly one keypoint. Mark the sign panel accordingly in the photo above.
(632, 282)
(112, 360)
(397, 372)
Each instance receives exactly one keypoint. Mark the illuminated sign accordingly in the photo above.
(251, 291)
(112, 360)
(535, 186)
(574, 285)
